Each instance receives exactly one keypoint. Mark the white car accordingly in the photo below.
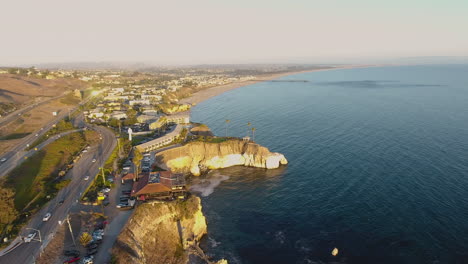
(30, 237)
(86, 178)
(46, 217)
(94, 160)
(106, 190)
(3, 160)
(84, 151)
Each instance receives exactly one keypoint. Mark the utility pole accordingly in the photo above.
(71, 230)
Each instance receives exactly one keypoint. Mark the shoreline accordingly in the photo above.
(208, 93)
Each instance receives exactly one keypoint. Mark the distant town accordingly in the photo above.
(78, 148)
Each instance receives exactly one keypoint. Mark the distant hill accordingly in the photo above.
(19, 90)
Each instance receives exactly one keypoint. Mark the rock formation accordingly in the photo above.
(161, 233)
(195, 156)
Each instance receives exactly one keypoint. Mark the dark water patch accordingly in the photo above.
(375, 84)
(381, 175)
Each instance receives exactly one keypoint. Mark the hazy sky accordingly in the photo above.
(234, 31)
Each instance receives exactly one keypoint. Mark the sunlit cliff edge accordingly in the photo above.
(162, 233)
(196, 156)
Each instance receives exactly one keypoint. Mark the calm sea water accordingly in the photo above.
(378, 168)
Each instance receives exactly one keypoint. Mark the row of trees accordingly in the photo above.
(249, 128)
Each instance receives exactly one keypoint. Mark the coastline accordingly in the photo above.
(208, 93)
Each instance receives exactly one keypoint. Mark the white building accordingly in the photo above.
(140, 102)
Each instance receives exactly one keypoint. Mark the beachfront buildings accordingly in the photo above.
(160, 185)
(161, 141)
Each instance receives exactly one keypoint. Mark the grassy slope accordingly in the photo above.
(33, 179)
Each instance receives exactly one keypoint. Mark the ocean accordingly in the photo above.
(378, 168)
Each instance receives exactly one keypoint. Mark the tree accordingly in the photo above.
(114, 122)
(227, 123)
(85, 239)
(137, 157)
(8, 211)
(253, 133)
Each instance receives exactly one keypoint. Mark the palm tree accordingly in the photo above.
(248, 128)
(137, 157)
(227, 122)
(253, 134)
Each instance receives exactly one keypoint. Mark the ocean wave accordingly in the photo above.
(205, 187)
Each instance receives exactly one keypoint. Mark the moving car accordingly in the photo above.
(3, 160)
(30, 237)
(94, 160)
(46, 217)
(86, 178)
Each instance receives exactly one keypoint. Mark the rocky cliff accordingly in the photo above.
(161, 233)
(195, 156)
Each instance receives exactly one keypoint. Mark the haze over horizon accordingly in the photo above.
(218, 32)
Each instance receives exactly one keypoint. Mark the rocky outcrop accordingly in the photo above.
(161, 233)
(196, 156)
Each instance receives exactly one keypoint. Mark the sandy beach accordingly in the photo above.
(217, 90)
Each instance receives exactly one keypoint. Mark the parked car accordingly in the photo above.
(122, 205)
(71, 260)
(46, 217)
(92, 246)
(30, 237)
(94, 160)
(84, 151)
(88, 260)
(126, 192)
(106, 190)
(86, 178)
(71, 253)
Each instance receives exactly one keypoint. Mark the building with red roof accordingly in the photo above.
(162, 185)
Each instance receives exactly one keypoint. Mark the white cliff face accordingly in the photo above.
(196, 155)
(152, 233)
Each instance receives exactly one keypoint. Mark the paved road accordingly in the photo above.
(12, 116)
(27, 252)
(20, 156)
(14, 154)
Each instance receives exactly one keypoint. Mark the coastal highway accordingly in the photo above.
(27, 252)
(20, 156)
(15, 156)
(12, 116)
(12, 156)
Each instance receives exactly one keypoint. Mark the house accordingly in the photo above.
(139, 102)
(118, 115)
(146, 119)
(160, 185)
